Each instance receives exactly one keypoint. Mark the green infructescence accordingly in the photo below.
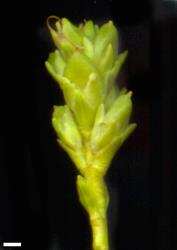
(94, 122)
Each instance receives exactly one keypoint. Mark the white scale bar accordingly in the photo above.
(12, 244)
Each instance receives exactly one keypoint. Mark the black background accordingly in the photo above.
(39, 204)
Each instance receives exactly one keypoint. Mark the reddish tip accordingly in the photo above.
(130, 93)
(52, 19)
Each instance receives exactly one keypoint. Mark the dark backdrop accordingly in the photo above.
(39, 204)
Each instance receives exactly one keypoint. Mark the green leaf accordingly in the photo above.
(68, 87)
(94, 91)
(103, 132)
(51, 70)
(71, 32)
(66, 128)
(61, 41)
(66, 48)
(55, 36)
(127, 132)
(111, 96)
(112, 124)
(103, 158)
(99, 119)
(120, 111)
(88, 47)
(104, 135)
(78, 69)
(77, 156)
(84, 113)
(107, 34)
(89, 30)
(69, 90)
(96, 29)
(111, 75)
(57, 62)
(106, 61)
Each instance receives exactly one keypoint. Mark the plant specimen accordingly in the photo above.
(94, 122)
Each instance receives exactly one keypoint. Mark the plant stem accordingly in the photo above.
(100, 233)
(98, 218)
(94, 197)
